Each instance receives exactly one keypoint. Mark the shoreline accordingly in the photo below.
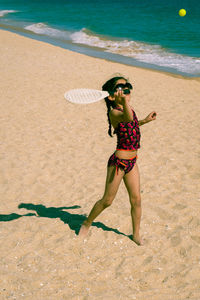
(96, 53)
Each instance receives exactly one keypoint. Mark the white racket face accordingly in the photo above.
(84, 96)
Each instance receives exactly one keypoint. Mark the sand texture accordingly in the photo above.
(53, 158)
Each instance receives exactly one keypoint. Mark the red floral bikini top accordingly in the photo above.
(128, 134)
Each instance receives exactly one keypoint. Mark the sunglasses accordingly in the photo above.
(125, 87)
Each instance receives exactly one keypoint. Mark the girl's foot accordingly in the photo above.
(83, 230)
(137, 240)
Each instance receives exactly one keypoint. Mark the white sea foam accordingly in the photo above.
(41, 28)
(152, 54)
(5, 12)
(143, 52)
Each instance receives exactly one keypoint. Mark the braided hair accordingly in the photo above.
(109, 86)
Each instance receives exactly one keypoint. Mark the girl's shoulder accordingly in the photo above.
(116, 116)
(116, 113)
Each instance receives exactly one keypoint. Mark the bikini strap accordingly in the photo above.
(118, 108)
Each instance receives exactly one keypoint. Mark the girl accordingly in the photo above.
(122, 163)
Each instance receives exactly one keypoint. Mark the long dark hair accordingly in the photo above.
(109, 87)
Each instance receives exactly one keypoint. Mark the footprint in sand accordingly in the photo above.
(175, 240)
(196, 238)
(147, 260)
(183, 252)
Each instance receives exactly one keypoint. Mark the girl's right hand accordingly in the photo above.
(120, 96)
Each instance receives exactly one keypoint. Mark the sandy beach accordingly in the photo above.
(53, 158)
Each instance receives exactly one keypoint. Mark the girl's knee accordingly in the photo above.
(135, 200)
(107, 201)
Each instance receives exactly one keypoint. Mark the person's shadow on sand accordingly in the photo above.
(73, 220)
(13, 216)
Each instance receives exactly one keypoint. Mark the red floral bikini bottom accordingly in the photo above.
(125, 164)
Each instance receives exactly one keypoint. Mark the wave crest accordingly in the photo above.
(41, 28)
(140, 51)
(152, 54)
(5, 12)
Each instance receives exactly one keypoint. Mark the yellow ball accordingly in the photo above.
(182, 12)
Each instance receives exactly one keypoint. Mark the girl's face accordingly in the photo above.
(122, 90)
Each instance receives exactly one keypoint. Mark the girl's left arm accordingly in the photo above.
(149, 118)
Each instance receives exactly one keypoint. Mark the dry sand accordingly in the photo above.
(53, 167)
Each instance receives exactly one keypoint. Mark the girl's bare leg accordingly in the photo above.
(132, 183)
(112, 184)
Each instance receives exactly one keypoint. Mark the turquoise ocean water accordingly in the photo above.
(143, 33)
